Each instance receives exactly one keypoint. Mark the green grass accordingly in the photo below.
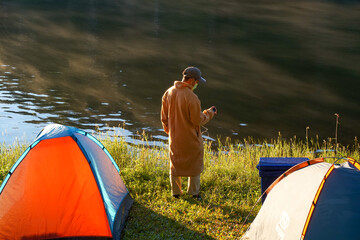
(8, 156)
(230, 184)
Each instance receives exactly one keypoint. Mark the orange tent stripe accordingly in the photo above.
(312, 208)
(293, 169)
(329, 171)
(318, 192)
(308, 219)
(354, 163)
(54, 194)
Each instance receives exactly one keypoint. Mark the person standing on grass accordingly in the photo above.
(181, 118)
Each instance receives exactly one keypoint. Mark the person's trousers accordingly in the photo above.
(193, 185)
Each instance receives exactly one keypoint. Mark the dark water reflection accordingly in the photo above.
(279, 66)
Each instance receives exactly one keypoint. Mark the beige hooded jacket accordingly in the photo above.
(181, 117)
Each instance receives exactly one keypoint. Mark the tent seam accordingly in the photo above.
(315, 200)
(95, 176)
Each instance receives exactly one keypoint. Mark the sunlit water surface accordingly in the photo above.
(271, 67)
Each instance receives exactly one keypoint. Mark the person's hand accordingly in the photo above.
(213, 108)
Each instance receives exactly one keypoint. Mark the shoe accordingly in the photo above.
(197, 197)
(176, 196)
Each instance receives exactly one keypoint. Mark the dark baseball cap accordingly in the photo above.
(193, 72)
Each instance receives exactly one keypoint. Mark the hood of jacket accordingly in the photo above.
(179, 85)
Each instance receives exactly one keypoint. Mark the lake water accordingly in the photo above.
(271, 67)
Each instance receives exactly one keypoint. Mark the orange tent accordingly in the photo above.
(66, 184)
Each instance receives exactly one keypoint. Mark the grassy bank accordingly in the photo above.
(230, 185)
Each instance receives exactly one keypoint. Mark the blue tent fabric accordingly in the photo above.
(112, 187)
(338, 207)
(55, 131)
